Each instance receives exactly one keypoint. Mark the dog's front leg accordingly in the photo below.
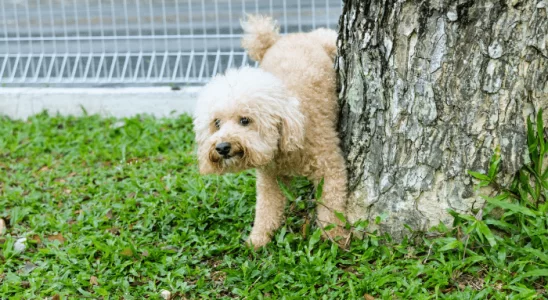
(269, 209)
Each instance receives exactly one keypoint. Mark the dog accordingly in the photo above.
(281, 120)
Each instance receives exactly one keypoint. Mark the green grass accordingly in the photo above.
(116, 209)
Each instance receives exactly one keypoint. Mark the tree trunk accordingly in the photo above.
(428, 90)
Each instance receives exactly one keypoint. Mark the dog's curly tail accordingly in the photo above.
(260, 33)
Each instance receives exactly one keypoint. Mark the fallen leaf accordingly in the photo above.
(68, 191)
(93, 280)
(218, 276)
(126, 252)
(56, 297)
(304, 228)
(57, 237)
(368, 297)
(3, 227)
(145, 253)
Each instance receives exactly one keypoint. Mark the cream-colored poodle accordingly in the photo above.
(280, 119)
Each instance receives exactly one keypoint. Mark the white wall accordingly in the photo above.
(20, 103)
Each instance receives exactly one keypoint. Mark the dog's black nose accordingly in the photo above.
(223, 148)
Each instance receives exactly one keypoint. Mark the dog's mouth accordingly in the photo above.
(238, 154)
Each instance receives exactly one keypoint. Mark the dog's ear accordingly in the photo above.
(202, 133)
(292, 127)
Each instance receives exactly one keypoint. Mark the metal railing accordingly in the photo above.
(136, 42)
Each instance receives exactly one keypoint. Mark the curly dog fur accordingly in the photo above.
(280, 119)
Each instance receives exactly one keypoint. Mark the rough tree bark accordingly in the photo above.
(428, 90)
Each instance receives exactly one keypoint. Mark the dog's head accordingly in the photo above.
(243, 119)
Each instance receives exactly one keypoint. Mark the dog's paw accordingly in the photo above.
(338, 235)
(257, 240)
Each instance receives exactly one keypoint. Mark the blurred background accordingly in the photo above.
(125, 43)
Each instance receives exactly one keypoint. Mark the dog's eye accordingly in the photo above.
(244, 121)
(217, 123)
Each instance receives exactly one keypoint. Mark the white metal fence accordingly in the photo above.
(136, 42)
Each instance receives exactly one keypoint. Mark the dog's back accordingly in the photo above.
(304, 62)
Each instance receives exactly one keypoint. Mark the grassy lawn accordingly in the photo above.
(115, 209)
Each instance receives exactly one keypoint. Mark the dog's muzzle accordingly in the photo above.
(227, 150)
